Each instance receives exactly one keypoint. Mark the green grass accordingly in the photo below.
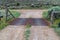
(16, 14)
(45, 15)
(4, 24)
(57, 30)
(55, 24)
(56, 21)
(28, 26)
(27, 32)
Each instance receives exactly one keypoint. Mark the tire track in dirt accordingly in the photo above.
(43, 33)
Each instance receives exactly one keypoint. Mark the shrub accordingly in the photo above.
(47, 15)
(56, 11)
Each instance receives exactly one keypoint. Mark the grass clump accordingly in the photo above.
(27, 32)
(28, 26)
(45, 14)
(15, 13)
(3, 24)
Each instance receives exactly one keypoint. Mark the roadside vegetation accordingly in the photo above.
(56, 18)
(31, 4)
(27, 32)
(3, 22)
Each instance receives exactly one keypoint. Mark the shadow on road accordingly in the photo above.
(32, 21)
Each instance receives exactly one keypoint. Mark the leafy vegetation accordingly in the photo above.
(15, 13)
(32, 1)
(55, 11)
(3, 22)
(27, 32)
(28, 25)
(27, 4)
(47, 15)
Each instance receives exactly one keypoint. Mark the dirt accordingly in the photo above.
(43, 33)
(12, 33)
(38, 32)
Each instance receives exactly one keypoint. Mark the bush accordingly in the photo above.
(47, 15)
(56, 8)
(56, 11)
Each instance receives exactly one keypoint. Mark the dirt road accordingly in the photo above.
(39, 31)
(12, 33)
